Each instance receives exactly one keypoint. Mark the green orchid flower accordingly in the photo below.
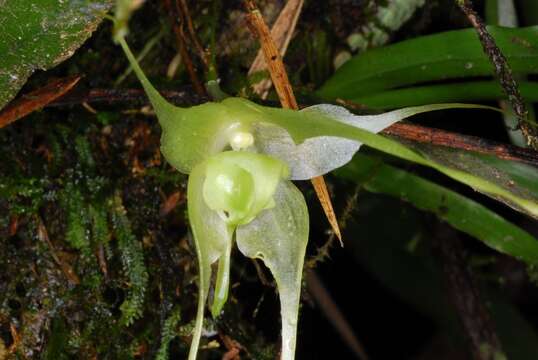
(246, 197)
(241, 156)
(235, 193)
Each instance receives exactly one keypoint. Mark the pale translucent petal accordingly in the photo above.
(316, 154)
(278, 236)
(313, 157)
(242, 183)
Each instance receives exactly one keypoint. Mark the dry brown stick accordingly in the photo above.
(16, 336)
(286, 96)
(326, 303)
(322, 296)
(452, 140)
(36, 100)
(67, 269)
(272, 56)
(504, 72)
(232, 346)
(182, 47)
(463, 292)
(281, 32)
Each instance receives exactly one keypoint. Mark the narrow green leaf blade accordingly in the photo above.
(473, 91)
(517, 178)
(462, 213)
(447, 55)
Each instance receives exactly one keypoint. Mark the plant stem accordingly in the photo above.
(504, 72)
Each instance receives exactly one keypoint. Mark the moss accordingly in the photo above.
(168, 332)
(77, 226)
(132, 258)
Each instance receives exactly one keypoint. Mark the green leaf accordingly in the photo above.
(279, 236)
(449, 55)
(39, 34)
(516, 178)
(462, 213)
(476, 91)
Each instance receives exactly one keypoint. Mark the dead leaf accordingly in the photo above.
(36, 100)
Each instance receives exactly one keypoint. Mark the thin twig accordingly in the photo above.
(101, 259)
(16, 336)
(281, 32)
(232, 346)
(273, 58)
(286, 96)
(503, 71)
(129, 97)
(187, 98)
(322, 296)
(182, 47)
(452, 140)
(13, 225)
(186, 18)
(330, 309)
